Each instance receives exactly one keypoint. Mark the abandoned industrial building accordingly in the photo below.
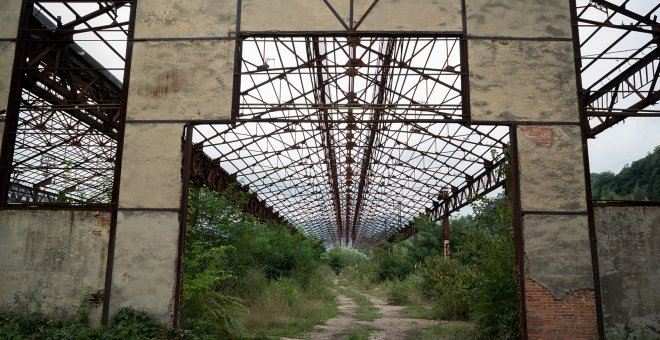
(342, 119)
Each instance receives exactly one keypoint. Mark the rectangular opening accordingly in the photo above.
(363, 78)
(66, 106)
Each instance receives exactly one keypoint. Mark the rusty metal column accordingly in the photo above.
(446, 245)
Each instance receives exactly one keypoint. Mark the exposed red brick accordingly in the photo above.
(573, 317)
(104, 218)
(540, 134)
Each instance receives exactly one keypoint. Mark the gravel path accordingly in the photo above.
(391, 326)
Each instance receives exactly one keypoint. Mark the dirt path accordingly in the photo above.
(392, 325)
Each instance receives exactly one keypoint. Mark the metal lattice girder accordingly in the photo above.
(64, 126)
(620, 63)
(332, 78)
(405, 168)
(206, 171)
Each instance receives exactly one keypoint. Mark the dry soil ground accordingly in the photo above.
(392, 325)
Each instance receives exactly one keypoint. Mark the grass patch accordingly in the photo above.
(418, 312)
(366, 309)
(446, 330)
(127, 324)
(361, 333)
(283, 308)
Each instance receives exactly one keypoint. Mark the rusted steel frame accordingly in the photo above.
(78, 114)
(282, 74)
(489, 180)
(364, 16)
(53, 147)
(415, 70)
(83, 19)
(186, 145)
(626, 12)
(86, 23)
(585, 134)
(271, 153)
(13, 105)
(436, 158)
(118, 167)
(334, 12)
(631, 28)
(640, 64)
(518, 236)
(327, 137)
(205, 171)
(613, 119)
(373, 131)
(283, 106)
(447, 140)
(626, 203)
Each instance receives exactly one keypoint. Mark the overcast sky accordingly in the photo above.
(625, 142)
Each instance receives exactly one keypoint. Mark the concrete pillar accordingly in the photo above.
(522, 74)
(9, 17)
(181, 71)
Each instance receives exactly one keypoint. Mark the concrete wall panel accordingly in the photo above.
(522, 81)
(6, 64)
(551, 168)
(51, 259)
(628, 249)
(419, 15)
(519, 18)
(10, 13)
(144, 270)
(557, 252)
(288, 15)
(185, 18)
(151, 168)
(181, 80)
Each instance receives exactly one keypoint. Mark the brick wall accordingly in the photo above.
(573, 317)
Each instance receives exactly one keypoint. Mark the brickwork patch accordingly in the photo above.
(573, 317)
(541, 135)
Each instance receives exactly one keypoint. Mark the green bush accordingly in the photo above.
(398, 293)
(239, 269)
(393, 262)
(127, 324)
(450, 285)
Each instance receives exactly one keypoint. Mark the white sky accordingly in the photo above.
(623, 143)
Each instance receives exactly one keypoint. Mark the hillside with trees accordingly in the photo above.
(638, 181)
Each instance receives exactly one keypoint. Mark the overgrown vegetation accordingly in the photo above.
(638, 181)
(127, 324)
(477, 283)
(247, 278)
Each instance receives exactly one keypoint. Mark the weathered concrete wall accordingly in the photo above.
(9, 16)
(151, 169)
(557, 253)
(522, 81)
(184, 80)
(6, 62)
(302, 15)
(420, 15)
(519, 18)
(145, 253)
(628, 250)
(551, 168)
(185, 18)
(52, 259)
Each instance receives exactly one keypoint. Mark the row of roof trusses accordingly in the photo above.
(352, 181)
(68, 118)
(620, 60)
(334, 78)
